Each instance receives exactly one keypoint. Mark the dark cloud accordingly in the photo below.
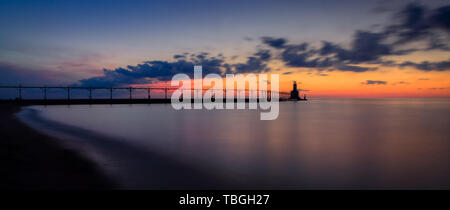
(300, 56)
(179, 56)
(255, 63)
(412, 24)
(374, 82)
(424, 79)
(420, 23)
(428, 66)
(160, 70)
(287, 73)
(274, 42)
(441, 17)
(366, 46)
(355, 68)
(184, 63)
(264, 55)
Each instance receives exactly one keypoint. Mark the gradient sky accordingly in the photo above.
(63, 42)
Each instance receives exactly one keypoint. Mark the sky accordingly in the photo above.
(332, 48)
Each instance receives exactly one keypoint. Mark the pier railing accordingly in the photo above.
(149, 90)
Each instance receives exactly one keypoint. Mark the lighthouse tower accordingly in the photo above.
(294, 92)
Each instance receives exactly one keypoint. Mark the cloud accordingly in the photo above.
(424, 79)
(417, 22)
(160, 70)
(355, 68)
(374, 82)
(274, 42)
(428, 66)
(441, 17)
(179, 56)
(300, 56)
(287, 73)
(414, 23)
(366, 46)
(255, 63)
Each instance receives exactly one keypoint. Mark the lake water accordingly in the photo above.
(317, 144)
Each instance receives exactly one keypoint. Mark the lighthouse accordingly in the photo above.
(294, 92)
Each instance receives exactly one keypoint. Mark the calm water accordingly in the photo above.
(322, 143)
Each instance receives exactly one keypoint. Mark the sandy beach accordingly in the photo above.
(31, 160)
(36, 160)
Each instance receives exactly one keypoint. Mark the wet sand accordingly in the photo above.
(34, 160)
(31, 160)
(129, 165)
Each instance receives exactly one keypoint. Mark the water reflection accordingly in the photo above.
(322, 143)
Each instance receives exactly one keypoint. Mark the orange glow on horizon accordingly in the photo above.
(335, 84)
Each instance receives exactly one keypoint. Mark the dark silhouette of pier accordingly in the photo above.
(165, 91)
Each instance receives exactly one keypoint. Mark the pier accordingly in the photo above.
(163, 95)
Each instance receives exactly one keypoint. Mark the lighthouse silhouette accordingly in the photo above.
(294, 92)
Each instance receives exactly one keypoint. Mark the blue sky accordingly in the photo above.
(141, 30)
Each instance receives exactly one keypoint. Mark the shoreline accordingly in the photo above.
(33, 160)
(128, 165)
